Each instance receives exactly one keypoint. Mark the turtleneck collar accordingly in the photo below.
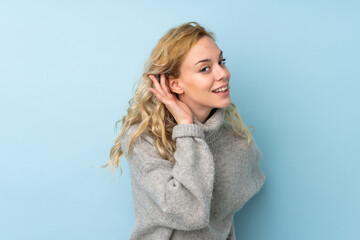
(212, 125)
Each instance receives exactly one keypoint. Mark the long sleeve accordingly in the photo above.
(232, 231)
(176, 195)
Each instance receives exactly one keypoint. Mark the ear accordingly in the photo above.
(174, 85)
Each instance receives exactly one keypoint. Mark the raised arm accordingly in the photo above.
(176, 196)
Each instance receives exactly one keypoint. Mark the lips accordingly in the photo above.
(221, 87)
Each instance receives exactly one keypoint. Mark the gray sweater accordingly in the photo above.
(215, 174)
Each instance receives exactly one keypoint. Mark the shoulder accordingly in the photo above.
(144, 138)
(239, 141)
(142, 148)
(229, 133)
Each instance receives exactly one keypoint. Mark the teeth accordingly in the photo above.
(221, 89)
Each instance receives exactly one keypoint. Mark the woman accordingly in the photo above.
(193, 162)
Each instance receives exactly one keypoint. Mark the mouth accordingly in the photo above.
(221, 89)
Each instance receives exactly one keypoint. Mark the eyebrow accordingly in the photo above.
(208, 60)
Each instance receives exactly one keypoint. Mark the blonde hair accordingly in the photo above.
(151, 113)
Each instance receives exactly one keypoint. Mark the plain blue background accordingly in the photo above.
(66, 74)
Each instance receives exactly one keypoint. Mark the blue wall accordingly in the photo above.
(66, 73)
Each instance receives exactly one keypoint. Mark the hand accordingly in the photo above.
(178, 109)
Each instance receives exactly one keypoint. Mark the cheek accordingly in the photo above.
(205, 86)
(199, 86)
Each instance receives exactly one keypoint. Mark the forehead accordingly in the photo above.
(205, 48)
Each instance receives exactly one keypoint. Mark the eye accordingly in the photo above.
(204, 69)
(222, 62)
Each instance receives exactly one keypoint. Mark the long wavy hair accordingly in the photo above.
(151, 114)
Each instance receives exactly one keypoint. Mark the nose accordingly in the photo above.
(220, 73)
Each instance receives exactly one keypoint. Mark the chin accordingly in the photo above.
(225, 104)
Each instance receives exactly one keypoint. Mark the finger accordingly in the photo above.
(164, 83)
(157, 94)
(157, 84)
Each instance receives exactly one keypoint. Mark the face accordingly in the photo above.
(202, 74)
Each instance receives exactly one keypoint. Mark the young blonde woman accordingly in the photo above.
(192, 160)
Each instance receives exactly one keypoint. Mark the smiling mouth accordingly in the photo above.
(223, 89)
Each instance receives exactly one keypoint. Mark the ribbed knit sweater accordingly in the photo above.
(215, 173)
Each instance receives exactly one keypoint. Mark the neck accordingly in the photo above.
(203, 115)
(212, 125)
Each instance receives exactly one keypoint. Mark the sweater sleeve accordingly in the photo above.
(176, 195)
(232, 231)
